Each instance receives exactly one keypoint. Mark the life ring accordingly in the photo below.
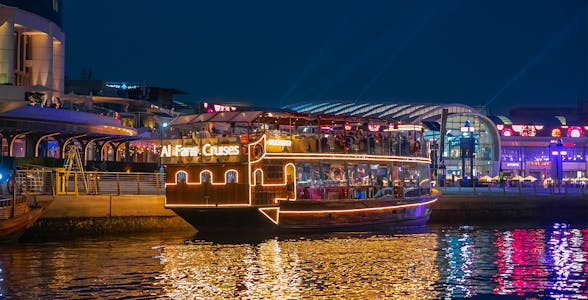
(257, 151)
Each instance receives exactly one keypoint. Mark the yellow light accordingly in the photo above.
(277, 209)
(283, 143)
(294, 212)
(329, 156)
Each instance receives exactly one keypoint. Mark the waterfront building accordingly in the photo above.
(545, 142)
(32, 52)
(469, 148)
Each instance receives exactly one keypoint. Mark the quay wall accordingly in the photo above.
(104, 214)
(464, 207)
(111, 214)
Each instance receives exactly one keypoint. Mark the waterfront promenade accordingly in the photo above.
(512, 204)
(104, 214)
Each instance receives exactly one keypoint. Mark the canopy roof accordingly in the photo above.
(35, 117)
(280, 117)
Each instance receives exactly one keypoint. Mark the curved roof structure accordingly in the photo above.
(404, 112)
(62, 120)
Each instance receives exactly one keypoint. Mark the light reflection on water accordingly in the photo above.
(449, 262)
(372, 267)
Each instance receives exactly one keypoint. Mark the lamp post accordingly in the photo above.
(468, 150)
(163, 126)
(556, 150)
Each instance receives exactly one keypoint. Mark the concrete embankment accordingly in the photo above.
(105, 214)
(466, 207)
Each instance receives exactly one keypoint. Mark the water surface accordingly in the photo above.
(540, 261)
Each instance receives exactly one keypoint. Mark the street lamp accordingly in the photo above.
(468, 149)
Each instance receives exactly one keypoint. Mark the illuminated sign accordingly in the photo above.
(209, 107)
(122, 85)
(541, 163)
(513, 164)
(206, 150)
(575, 132)
(283, 143)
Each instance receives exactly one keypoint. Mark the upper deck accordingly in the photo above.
(240, 137)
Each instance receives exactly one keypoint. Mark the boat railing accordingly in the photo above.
(10, 207)
(372, 144)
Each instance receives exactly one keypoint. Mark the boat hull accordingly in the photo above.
(332, 215)
(12, 229)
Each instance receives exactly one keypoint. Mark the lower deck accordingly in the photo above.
(338, 215)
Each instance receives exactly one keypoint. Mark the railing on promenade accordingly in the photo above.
(517, 187)
(54, 182)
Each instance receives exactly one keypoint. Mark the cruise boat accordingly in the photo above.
(284, 171)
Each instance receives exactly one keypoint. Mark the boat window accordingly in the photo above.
(258, 177)
(206, 177)
(231, 176)
(181, 177)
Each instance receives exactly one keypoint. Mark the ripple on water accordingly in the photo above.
(437, 263)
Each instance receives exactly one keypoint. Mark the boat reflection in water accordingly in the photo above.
(360, 268)
(440, 263)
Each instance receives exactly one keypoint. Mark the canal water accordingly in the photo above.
(436, 262)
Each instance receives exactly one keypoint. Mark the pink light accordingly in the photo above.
(575, 132)
(373, 127)
(506, 132)
(500, 126)
(539, 127)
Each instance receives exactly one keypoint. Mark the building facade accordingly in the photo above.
(32, 51)
(457, 153)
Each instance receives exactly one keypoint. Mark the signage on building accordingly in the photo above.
(511, 165)
(122, 85)
(541, 163)
(210, 108)
(206, 150)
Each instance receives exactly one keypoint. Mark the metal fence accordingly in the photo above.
(52, 182)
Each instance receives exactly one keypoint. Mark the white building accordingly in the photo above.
(32, 51)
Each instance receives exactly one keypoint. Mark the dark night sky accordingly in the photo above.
(272, 53)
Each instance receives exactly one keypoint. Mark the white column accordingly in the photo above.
(7, 52)
(42, 57)
(58, 68)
